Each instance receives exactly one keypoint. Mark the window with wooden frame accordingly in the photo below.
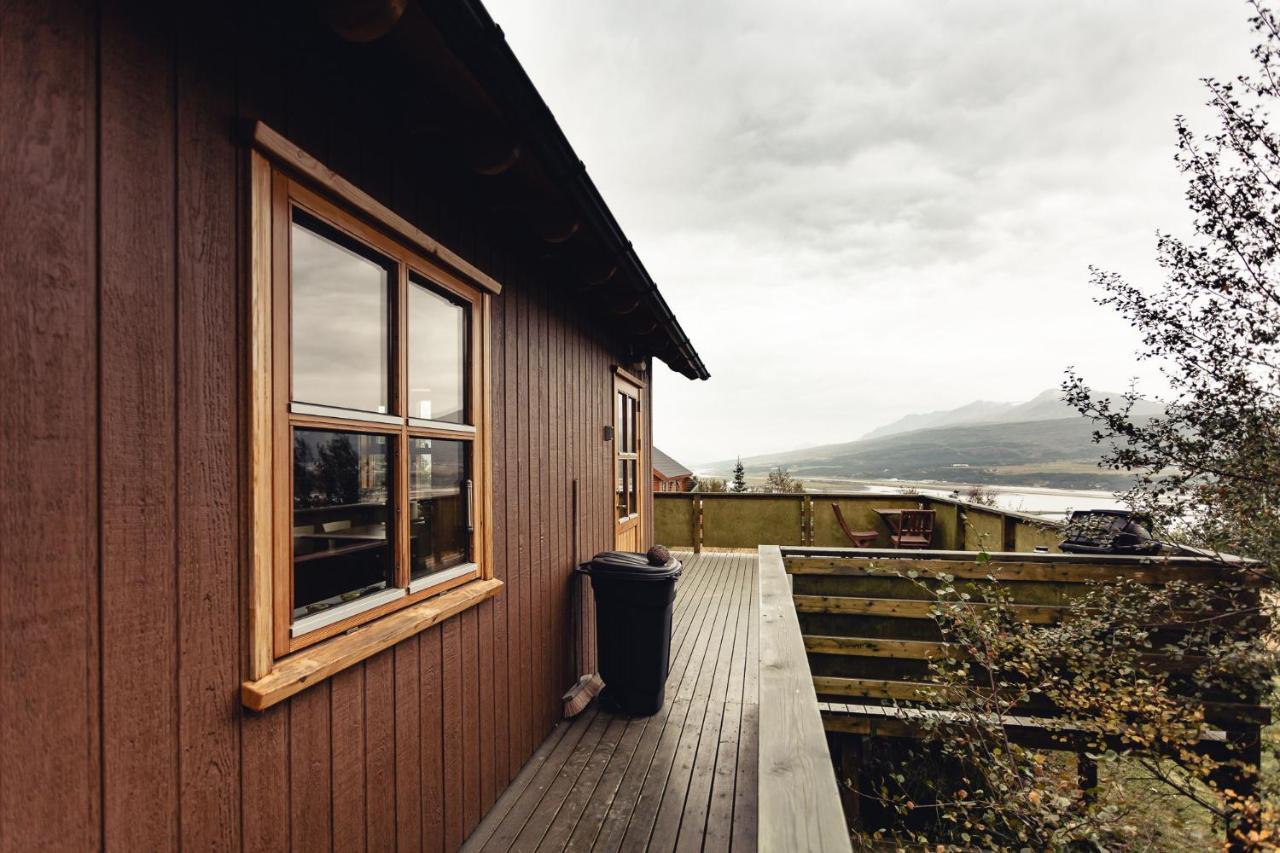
(369, 448)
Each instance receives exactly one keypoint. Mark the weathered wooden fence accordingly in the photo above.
(723, 520)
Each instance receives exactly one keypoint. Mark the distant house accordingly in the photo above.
(669, 475)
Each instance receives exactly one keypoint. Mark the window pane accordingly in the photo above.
(340, 319)
(632, 487)
(631, 425)
(438, 535)
(437, 355)
(619, 423)
(341, 505)
(620, 488)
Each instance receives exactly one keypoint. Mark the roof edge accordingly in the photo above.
(540, 123)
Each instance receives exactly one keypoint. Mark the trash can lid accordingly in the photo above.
(633, 566)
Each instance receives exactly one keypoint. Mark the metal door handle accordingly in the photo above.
(471, 506)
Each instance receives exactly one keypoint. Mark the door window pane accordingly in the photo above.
(341, 506)
(621, 488)
(438, 534)
(619, 422)
(630, 423)
(437, 355)
(632, 489)
(625, 422)
(340, 319)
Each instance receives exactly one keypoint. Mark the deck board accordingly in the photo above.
(684, 778)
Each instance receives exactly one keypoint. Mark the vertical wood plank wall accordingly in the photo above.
(50, 751)
(122, 512)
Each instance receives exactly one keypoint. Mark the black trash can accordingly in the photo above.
(634, 598)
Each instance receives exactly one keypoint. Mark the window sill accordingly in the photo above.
(312, 665)
(325, 618)
(427, 581)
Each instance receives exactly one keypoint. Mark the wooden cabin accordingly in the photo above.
(669, 475)
(324, 363)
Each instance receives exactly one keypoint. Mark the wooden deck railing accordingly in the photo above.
(725, 520)
(800, 805)
(868, 633)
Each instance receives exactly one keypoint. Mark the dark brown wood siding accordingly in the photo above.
(122, 499)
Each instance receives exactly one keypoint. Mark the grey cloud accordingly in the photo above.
(834, 193)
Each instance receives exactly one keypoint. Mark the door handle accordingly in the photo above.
(471, 506)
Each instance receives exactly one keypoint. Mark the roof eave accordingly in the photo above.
(469, 24)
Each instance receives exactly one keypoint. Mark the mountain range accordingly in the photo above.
(1040, 442)
(1045, 406)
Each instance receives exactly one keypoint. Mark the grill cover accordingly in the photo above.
(1109, 531)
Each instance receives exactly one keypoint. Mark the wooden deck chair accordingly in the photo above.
(859, 538)
(915, 529)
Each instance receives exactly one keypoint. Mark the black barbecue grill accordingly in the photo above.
(1109, 531)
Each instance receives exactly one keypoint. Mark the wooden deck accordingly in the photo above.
(685, 778)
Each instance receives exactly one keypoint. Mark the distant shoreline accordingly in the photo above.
(1041, 501)
(951, 485)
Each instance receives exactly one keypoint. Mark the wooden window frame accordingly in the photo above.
(283, 178)
(625, 385)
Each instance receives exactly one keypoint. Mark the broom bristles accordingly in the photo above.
(580, 694)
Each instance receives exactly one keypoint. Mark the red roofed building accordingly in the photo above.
(669, 475)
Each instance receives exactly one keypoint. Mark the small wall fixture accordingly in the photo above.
(608, 433)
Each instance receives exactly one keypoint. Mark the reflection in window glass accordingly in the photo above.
(339, 317)
(437, 355)
(438, 535)
(341, 499)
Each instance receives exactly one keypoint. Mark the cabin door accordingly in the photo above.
(627, 441)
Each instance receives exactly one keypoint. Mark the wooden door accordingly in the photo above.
(627, 476)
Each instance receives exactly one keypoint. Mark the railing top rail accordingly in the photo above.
(820, 495)
(800, 806)
(737, 496)
(996, 557)
(884, 496)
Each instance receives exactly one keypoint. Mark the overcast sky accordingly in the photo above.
(860, 210)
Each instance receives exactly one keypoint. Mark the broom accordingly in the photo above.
(579, 696)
